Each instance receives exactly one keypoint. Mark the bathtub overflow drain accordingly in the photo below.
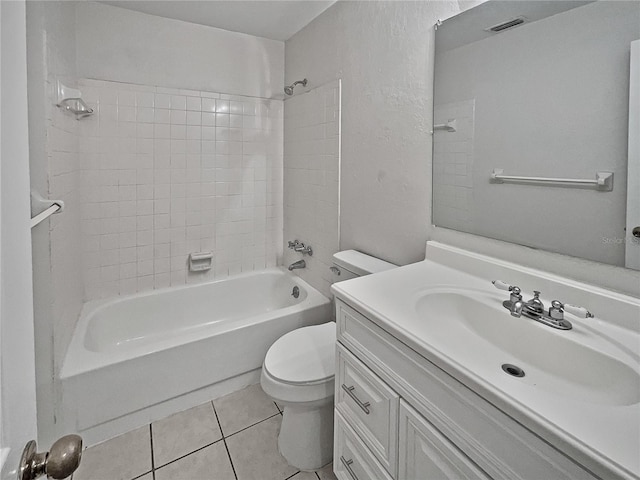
(296, 292)
(513, 370)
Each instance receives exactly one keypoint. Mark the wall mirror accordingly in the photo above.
(538, 89)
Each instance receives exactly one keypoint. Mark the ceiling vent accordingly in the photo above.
(501, 27)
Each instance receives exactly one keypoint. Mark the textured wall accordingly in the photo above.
(126, 46)
(383, 51)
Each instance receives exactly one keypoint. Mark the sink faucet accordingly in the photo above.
(298, 264)
(534, 308)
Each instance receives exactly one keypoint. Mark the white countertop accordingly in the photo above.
(604, 436)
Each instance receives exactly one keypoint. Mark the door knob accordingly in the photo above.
(636, 232)
(60, 462)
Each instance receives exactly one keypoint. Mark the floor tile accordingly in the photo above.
(121, 458)
(148, 476)
(211, 463)
(255, 455)
(326, 473)
(183, 433)
(244, 408)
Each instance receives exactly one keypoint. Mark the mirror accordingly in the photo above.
(536, 89)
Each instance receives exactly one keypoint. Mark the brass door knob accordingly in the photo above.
(60, 462)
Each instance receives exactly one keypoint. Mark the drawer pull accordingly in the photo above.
(347, 466)
(364, 406)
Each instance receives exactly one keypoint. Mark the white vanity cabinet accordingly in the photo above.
(399, 416)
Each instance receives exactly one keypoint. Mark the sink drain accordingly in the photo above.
(513, 370)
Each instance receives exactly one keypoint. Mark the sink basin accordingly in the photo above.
(474, 328)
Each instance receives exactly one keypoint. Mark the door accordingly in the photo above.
(632, 242)
(17, 365)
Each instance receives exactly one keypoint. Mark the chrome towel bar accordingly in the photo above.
(54, 208)
(603, 180)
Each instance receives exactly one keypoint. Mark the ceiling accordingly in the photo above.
(275, 19)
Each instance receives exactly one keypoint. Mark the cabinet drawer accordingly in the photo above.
(369, 406)
(425, 453)
(351, 459)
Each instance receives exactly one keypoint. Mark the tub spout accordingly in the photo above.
(298, 264)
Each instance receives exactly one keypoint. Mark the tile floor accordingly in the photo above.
(231, 438)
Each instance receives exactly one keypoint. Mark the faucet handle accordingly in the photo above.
(557, 309)
(500, 285)
(580, 312)
(293, 243)
(515, 291)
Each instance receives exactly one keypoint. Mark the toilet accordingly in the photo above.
(298, 374)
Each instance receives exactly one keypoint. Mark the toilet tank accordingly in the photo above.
(351, 264)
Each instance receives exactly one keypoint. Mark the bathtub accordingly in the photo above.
(135, 359)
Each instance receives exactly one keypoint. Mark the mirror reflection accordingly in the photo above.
(531, 126)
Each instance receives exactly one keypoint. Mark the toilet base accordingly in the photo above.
(306, 436)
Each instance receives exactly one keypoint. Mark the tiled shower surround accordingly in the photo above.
(168, 172)
(312, 180)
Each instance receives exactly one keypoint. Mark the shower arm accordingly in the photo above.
(289, 88)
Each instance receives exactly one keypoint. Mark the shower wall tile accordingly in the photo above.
(312, 180)
(65, 241)
(168, 172)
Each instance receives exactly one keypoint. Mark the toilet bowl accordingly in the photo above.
(298, 373)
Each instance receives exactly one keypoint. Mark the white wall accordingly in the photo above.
(312, 181)
(561, 111)
(57, 272)
(126, 46)
(383, 51)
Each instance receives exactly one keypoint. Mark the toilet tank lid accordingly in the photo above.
(360, 263)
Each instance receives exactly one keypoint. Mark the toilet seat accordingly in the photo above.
(304, 356)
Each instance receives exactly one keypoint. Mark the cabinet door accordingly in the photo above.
(426, 454)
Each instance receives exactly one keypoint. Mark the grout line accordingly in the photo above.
(277, 407)
(254, 424)
(317, 476)
(291, 476)
(224, 441)
(142, 475)
(153, 467)
(186, 455)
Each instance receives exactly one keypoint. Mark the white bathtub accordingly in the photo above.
(135, 359)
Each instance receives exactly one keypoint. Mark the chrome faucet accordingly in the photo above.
(300, 247)
(298, 264)
(534, 308)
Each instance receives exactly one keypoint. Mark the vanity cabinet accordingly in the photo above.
(399, 416)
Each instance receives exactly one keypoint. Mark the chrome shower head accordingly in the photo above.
(289, 89)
